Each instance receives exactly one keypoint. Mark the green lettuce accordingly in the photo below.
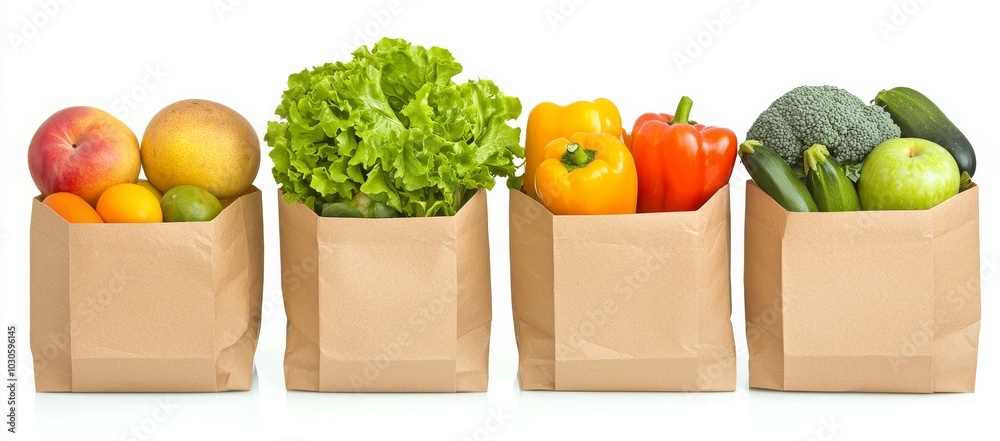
(389, 133)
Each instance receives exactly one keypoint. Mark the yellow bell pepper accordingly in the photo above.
(589, 173)
(548, 121)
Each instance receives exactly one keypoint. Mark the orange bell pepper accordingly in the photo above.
(548, 121)
(589, 173)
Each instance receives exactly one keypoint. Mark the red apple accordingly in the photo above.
(84, 151)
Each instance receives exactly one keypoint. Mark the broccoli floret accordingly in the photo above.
(826, 115)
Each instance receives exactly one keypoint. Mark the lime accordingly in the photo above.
(188, 203)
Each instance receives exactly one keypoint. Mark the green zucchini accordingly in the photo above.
(827, 182)
(918, 117)
(773, 175)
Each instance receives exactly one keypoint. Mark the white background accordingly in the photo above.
(241, 52)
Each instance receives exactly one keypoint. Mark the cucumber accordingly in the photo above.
(773, 175)
(918, 117)
(828, 182)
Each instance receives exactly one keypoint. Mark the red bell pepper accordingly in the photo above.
(680, 163)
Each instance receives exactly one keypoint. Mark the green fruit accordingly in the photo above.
(188, 203)
(907, 174)
(152, 189)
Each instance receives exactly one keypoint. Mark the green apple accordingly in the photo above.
(907, 174)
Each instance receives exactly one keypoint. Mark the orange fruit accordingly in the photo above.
(129, 203)
(72, 208)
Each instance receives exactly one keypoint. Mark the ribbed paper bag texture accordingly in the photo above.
(169, 307)
(622, 302)
(386, 305)
(876, 301)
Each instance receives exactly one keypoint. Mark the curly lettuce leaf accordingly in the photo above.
(391, 126)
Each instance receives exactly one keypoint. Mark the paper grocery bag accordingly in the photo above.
(876, 301)
(167, 307)
(386, 305)
(637, 302)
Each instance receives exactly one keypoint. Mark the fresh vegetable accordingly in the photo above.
(548, 121)
(680, 164)
(965, 182)
(826, 115)
(392, 126)
(773, 175)
(589, 173)
(918, 117)
(360, 206)
(827, 182)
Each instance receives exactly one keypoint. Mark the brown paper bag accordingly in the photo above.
(876, 301)
(386, 305)
(169, 307)
(622, 302)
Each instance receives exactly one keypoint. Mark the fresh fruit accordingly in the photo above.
(72, 208)
(907, 174)
(126, 203)
(188, 203)
(827, 182)
(84, 151)
(773, 175)
(152, 189)
(202, 143)
(918, 117)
